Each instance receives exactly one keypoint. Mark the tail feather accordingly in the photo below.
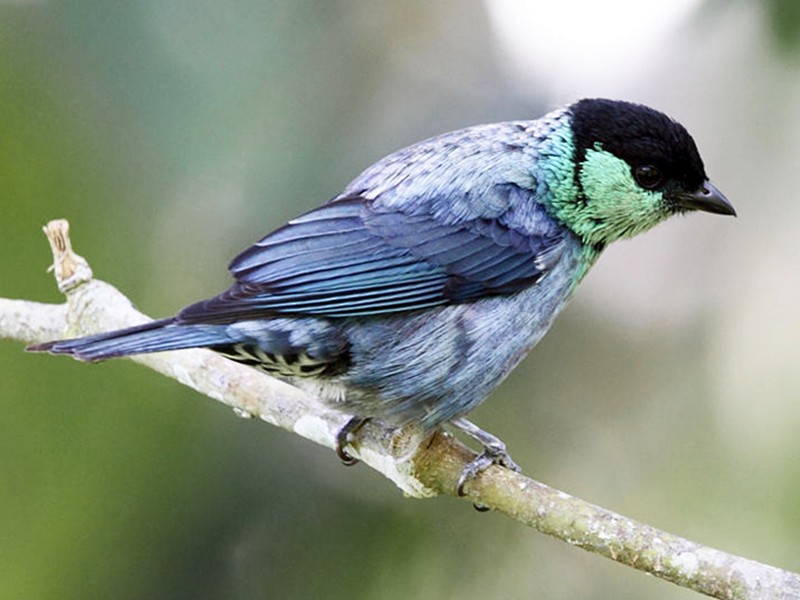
(157, 336)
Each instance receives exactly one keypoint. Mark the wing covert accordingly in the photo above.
(347, 259)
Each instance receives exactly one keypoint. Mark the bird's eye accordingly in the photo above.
(648, 176)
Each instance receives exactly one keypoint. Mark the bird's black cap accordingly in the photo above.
(639, 135)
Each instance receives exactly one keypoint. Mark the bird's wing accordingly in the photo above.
(351, 259)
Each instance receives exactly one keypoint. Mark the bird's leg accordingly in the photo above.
(343, 439)
(494, 453)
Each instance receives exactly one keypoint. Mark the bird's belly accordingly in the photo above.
(441, 363)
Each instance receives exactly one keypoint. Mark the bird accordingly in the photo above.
(411, 295)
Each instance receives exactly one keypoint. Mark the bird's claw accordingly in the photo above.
(343, 439)
(493, 454)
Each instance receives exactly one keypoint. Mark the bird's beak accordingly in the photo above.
(706, 198)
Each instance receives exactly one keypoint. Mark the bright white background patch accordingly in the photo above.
(573, 44)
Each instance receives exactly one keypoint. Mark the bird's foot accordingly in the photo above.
(343, 438)
(494, 453)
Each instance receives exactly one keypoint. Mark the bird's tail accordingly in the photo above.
(156, 336)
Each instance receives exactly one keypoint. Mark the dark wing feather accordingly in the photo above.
(347, 259)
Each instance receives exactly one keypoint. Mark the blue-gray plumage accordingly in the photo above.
(412, 294)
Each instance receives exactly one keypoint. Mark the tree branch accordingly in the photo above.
(421, 468)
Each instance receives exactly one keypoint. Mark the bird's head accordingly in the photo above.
(633, 167)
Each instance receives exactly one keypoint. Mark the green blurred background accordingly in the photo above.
(173, 133)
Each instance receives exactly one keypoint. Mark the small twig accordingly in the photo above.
(419, 469)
